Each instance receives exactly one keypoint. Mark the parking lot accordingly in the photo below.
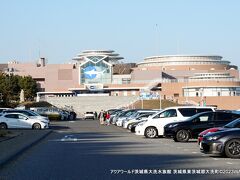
(86, 150)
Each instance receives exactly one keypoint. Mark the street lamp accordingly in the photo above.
(160, 100)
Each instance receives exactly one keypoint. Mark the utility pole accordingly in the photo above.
(160, 101)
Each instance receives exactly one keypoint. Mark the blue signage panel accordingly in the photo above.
(90, 72)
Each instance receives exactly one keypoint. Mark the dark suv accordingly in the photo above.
(182, 131)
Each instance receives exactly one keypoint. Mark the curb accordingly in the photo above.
(21, 150)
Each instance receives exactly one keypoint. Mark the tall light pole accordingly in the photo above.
(157, 40)
(160, 100)
(186, 89)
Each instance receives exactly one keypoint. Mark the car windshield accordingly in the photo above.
(155, 114)
(144, 116)
(28, 113)
(126, 113)
(34, 113)
(233, 124)
(134, 114)
(116, 112)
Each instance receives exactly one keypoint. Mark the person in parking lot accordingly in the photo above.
(104, 116)
(95, 115)
(107, 118)
(101, 117)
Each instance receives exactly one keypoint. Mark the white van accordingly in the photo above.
(154, 126)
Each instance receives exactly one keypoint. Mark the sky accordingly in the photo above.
(60, 29)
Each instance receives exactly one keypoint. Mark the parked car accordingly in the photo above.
(222, 143)
(113, 119)
(182, 131)
(89, 115)
(114, 114)
(26, 112)
(53, 113)
(3, 109)
(124, 116)
(113, 111)
(19, 120)
(133, 126)
(140, 115)
(232, 124)
(153, 127)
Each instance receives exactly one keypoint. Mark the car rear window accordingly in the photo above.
(187, 112)
(226, 116)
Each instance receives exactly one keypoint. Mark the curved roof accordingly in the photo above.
(96, 51)
(183, 60)
(109, 53)
(185, 56)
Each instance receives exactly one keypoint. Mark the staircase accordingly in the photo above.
(92, 103)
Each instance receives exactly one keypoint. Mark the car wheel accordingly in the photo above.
(36, 126)
(175, 139)
(232, 148)
(182, 136)
(133, 130)
(3, 126)
(151, 132)
(71, 117)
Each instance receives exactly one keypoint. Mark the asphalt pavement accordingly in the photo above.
(87, 150)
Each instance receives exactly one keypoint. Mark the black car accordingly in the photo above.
(182, 131)
(222, 143)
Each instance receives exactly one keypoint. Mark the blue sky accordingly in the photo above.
(60, 29)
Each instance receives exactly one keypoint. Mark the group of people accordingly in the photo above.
(104, 118)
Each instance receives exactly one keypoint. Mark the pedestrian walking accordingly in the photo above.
(107, 119)
(95, 115)
(101, 117)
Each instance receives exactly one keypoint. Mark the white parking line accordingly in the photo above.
(61, 131)
(216, 159)
(229, 163)
(195, 152)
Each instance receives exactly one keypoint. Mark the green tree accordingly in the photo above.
(29, 85)
(10, 88)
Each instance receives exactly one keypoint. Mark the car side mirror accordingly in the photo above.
(161, 116)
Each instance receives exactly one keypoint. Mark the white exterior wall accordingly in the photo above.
(211, 91)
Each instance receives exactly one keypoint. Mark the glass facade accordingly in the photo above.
(95, 70)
